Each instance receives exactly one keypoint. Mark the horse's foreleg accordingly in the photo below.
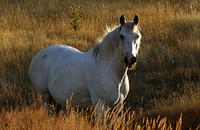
(100, 108)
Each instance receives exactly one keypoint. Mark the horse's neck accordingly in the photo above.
(116, 66)
(111, 59)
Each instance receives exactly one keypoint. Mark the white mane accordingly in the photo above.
(107, 41)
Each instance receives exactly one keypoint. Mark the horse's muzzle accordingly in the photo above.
(132, 61)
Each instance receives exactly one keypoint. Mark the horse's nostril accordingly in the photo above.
(126, 60)
(133, 60)
(129, 63)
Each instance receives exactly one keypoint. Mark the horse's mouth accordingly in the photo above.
(130, 66)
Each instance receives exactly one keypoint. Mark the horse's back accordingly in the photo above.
(42, 63)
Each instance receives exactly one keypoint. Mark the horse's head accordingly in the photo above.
(129, 40)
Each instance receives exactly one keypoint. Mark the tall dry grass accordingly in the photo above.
(36, 118)
(166, 79)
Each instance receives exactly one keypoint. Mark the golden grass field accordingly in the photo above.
(165, 85)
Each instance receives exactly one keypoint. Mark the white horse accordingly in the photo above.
(94, 78)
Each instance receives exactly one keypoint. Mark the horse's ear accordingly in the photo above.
(122, 19)
(136, 20)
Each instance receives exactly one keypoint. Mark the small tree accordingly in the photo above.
(76, 17)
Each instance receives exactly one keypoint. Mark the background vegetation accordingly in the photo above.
(166, 81)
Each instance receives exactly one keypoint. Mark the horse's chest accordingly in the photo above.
(105, 86)
(120, 92)
(109, 93)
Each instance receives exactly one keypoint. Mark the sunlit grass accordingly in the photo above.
(35, 117)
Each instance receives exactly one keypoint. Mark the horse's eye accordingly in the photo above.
(122, 37)
(137, 36)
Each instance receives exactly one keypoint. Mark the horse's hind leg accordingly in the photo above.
(47, 98)
(52, 105)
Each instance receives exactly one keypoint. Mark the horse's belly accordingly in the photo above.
(81, 99)
(69, 85)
